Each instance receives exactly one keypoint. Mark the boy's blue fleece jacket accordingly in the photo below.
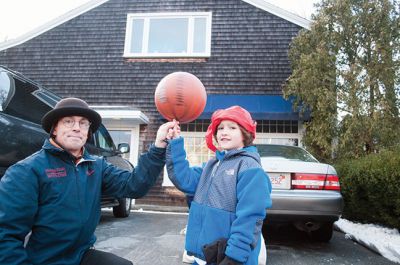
(231, 195)
(60, 202)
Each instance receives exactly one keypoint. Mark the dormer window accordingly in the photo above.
(160, 35)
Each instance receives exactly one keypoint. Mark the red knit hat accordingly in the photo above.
(234, 113)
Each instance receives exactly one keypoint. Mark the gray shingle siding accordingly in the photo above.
(83, 57)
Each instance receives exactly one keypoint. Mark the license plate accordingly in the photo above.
(280, 180)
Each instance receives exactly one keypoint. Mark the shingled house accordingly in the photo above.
(113, 54)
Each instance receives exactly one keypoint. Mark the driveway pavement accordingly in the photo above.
(155, 238)
(143, 238)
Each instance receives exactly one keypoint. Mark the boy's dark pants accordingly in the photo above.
(97, 257)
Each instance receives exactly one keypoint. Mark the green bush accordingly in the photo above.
(371, 188)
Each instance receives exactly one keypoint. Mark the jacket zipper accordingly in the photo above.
(78, 188)
(213, 171)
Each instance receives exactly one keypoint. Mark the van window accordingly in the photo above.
(103, 139)
(6, 89)
(23, 103)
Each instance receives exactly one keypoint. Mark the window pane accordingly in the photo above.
(272, 126)
(168, 35)
(197, 152)
(104, 139)
(184, 127)
(282, 141)
(288, 152)
(121, 137)
(47, 97)
(198, 127)
(286, 126)
(5, 87)
(25, 96)
(295, 125)
(259, 127)
(137, 35)
(199, 34)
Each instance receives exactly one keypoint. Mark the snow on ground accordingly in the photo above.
(380, 239)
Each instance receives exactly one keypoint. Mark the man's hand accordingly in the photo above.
(167, 131)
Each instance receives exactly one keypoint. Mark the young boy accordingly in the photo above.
(231, 192)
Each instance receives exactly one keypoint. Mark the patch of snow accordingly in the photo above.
(383, 240)
(116, 243)
(157, 212)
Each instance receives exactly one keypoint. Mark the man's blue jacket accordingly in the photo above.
(59, 201)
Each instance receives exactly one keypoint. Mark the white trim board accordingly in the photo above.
(121, 113)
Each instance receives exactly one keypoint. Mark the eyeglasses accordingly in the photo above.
(83, 124)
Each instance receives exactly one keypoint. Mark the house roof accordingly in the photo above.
(51, 24)
(262, 4)
(277, 11)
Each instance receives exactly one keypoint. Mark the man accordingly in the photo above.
(55, 193)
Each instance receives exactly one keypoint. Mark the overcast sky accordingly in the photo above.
(20, 16)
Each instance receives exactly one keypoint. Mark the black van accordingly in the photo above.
(23, 103)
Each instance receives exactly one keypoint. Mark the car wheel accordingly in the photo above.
(123, 209)
(324, 233)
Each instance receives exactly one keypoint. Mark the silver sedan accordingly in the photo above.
(305, 192)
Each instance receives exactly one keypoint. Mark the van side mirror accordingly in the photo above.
(123, 148)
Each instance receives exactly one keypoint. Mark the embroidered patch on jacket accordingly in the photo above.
(90, 172)
(230, 172)
(56, 172)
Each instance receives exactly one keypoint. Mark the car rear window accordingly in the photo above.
(288, 152)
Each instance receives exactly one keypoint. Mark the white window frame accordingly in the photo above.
(148, 16)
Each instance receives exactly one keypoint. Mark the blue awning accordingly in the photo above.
(261, 107)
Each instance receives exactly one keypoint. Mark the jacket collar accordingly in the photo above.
(247, 151)
(48, 146)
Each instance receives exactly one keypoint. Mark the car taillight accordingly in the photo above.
(332, 182)
(315, 182)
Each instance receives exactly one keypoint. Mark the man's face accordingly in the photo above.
(72, 132)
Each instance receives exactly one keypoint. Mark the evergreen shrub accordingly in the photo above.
(371, 188)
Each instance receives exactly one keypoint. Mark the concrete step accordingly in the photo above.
(160, 208)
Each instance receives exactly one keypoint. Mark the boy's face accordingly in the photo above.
(229, 136)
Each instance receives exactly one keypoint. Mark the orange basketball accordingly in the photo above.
(180, 96)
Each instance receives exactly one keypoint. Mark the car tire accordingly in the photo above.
(324, 233)
(123, 209)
